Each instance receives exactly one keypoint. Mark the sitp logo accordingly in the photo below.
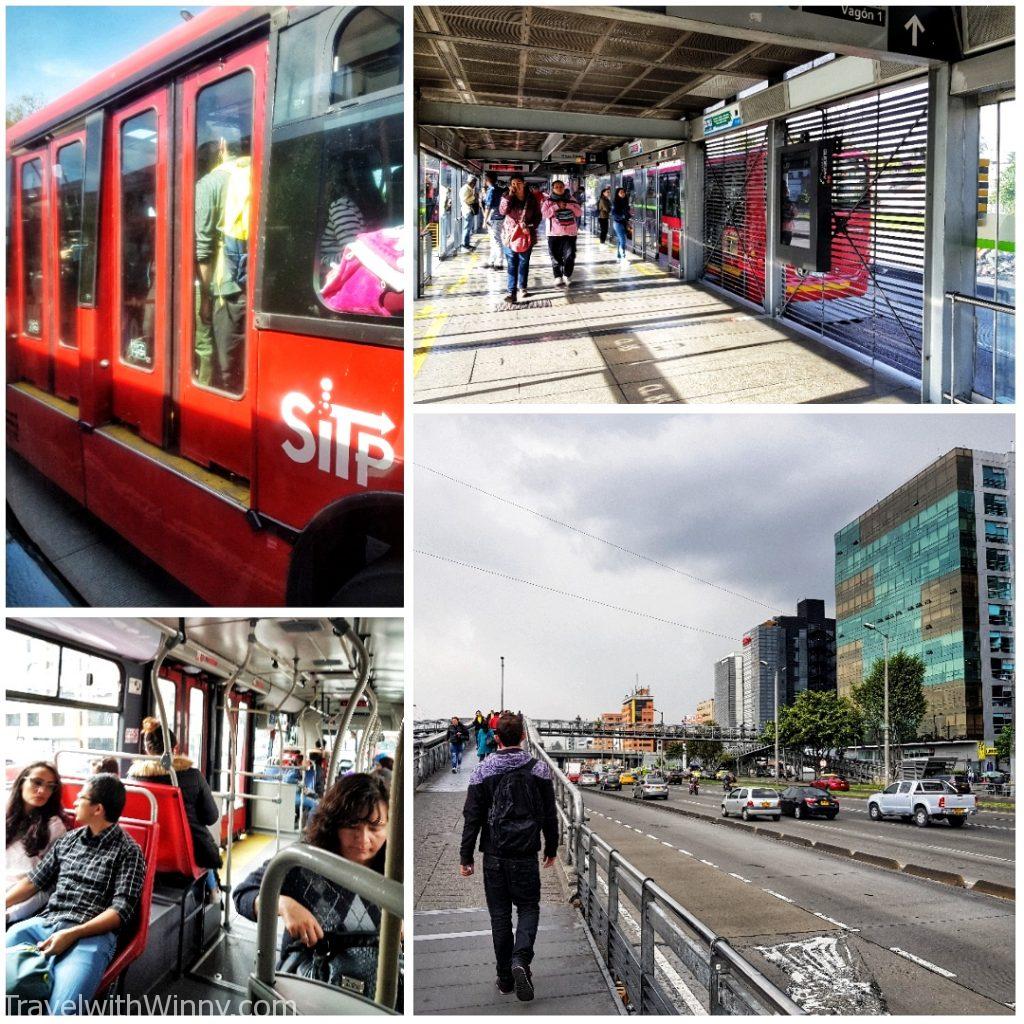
(325, 431)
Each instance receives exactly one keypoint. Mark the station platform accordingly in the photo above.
(454, 957)
(625, 331)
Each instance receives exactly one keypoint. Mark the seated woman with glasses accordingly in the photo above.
(33, 825)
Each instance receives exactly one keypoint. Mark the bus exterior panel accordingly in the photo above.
(215, 486)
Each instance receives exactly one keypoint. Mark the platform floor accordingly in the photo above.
(625, 331)
(454, 964)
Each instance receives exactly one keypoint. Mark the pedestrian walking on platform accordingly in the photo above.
(521, 210)
(604, 212)
(621, 215)
(493, 220)
(470, 204)
(510, 807)
(562, 213)
(458, 737)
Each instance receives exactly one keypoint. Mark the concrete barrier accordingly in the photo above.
(768, 833)
(946, 877)
(836, 851)
(1006, 892)
(797, 840)
(875, 860)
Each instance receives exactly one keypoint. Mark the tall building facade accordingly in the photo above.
(637, 710)
(931, 566)
(729, 691)
(801, 648)
(706, 712)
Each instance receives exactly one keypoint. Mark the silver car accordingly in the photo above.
(752, 802)
(651, 787)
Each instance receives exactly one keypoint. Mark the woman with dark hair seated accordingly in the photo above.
(200, 807)
(34, 824)
(331, 934)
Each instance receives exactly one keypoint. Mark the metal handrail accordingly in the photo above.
(959, 298)
(733, 984)
(974, 300)
(430, 755)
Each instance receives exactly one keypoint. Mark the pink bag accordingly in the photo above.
(518, 237)
(370, 277)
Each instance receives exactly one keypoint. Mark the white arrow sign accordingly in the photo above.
(915, 26)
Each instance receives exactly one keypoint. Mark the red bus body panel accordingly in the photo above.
(48, 438)
(34, 354)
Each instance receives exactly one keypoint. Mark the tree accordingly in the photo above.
(675, 751)
(707, 752)
(1008, 186)
(819, 722)
(907, 703)
(1004, 743)
(18, 109)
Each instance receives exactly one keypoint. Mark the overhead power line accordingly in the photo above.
(575, 597)
(593, 536)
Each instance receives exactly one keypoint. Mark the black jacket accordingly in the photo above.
(458, 733)
(200, 807)
(481, 794)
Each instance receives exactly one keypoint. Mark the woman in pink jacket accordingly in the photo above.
(562, 213)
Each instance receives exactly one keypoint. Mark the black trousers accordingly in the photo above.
(512, 882)
(563, 254)
(603, 222)
(229, 343)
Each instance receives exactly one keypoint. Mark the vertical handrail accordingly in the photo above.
(394, 864)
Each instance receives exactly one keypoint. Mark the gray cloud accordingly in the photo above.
(750, 501)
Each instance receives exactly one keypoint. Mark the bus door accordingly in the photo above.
(242, 758)
(34, 331)
(222, 149)
(139, 362)
(67, 194)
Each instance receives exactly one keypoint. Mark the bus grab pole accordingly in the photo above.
(394, 863)
(167, 759)
(345, 628)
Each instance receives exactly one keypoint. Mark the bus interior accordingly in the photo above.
(247, 699)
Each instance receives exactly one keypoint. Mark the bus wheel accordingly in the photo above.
(379, 585)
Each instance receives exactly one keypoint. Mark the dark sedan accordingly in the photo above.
(808, 802)
(610, 780)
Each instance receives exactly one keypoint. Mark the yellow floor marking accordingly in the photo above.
(426, 340)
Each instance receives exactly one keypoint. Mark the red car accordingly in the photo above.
(831, 782)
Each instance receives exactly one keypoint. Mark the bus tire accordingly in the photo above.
(379, 585)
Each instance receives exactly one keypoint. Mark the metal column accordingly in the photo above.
(692, 242)
(773, 270)
(950, 237)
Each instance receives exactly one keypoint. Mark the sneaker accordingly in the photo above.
(524, 293)
(511, 297)
(504, 985)
(454, 770)
(523, 982)
(567, 281)
(559, 281)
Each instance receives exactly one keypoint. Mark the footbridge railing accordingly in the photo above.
(430, 754)
(667, 960)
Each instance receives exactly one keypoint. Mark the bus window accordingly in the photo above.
(196, 725)
(32, 247)
(69, 172)
(223, 178)
(138, 238)
(367, 54)
(37, 731)
(335, 204)
(33, 665)
(169, 695)
(87, 678)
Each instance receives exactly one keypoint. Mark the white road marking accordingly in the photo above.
(740, 877)
(709, 864)
(777, 895)
(685, 852)
(832, 920)
(927, 964)
(649, 836)
(665, 842)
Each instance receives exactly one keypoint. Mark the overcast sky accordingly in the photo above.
(750, 502)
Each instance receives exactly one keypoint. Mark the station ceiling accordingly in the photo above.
(557, 58)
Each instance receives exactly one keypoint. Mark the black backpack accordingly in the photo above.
(513, 819)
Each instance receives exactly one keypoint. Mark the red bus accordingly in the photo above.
(742, 244)
(222, 384)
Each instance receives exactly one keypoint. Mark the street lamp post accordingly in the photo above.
(885, 693)
(501, 705)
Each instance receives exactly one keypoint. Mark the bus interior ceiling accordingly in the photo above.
(275, 689)
(626, 97)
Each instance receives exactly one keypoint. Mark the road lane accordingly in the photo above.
(974, 851)
(966, 934)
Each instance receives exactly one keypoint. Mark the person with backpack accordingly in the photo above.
(510, 807)
(493, 220)
(521, 210)
(621, 216)
(604, 212)
(458, 737)
(470, 208)
(562, 213)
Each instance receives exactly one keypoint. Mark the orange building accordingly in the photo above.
(637, 711)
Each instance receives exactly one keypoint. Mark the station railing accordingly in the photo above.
(430, 754)
(973, 304)
(426, 262)
(665, 958)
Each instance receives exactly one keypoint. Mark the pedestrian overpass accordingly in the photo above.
(611, 939)
(699, 113)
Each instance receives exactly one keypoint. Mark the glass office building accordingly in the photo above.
(931, 566)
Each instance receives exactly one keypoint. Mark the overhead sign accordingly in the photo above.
(722, 120)
(863, 15)
(924, 32)
(636, 147)
(504, 167)
(986, 751)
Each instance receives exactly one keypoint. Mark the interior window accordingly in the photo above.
(32, 247)
(367, 54)
(138, 238)
(70, 175)
(223, 177)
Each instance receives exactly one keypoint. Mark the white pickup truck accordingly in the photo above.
(924, 801)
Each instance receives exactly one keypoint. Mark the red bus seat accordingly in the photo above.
(175, 854)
